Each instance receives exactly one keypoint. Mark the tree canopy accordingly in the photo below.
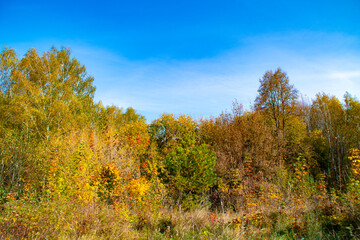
(276, 98)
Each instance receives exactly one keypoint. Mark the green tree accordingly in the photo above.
(190, 166)
(187, 162)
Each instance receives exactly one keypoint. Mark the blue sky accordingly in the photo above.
(194, 57)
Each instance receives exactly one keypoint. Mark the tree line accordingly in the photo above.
(58, 145)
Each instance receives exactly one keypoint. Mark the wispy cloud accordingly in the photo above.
(315, 62)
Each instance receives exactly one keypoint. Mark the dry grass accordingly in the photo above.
(272, 215)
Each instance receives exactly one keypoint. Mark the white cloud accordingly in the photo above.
(315, 62)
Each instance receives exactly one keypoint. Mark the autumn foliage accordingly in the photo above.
(72, 168)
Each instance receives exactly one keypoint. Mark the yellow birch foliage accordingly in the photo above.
(138, 188)
(355, 163)
(71, 165)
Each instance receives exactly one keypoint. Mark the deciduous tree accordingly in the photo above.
(276, 98)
